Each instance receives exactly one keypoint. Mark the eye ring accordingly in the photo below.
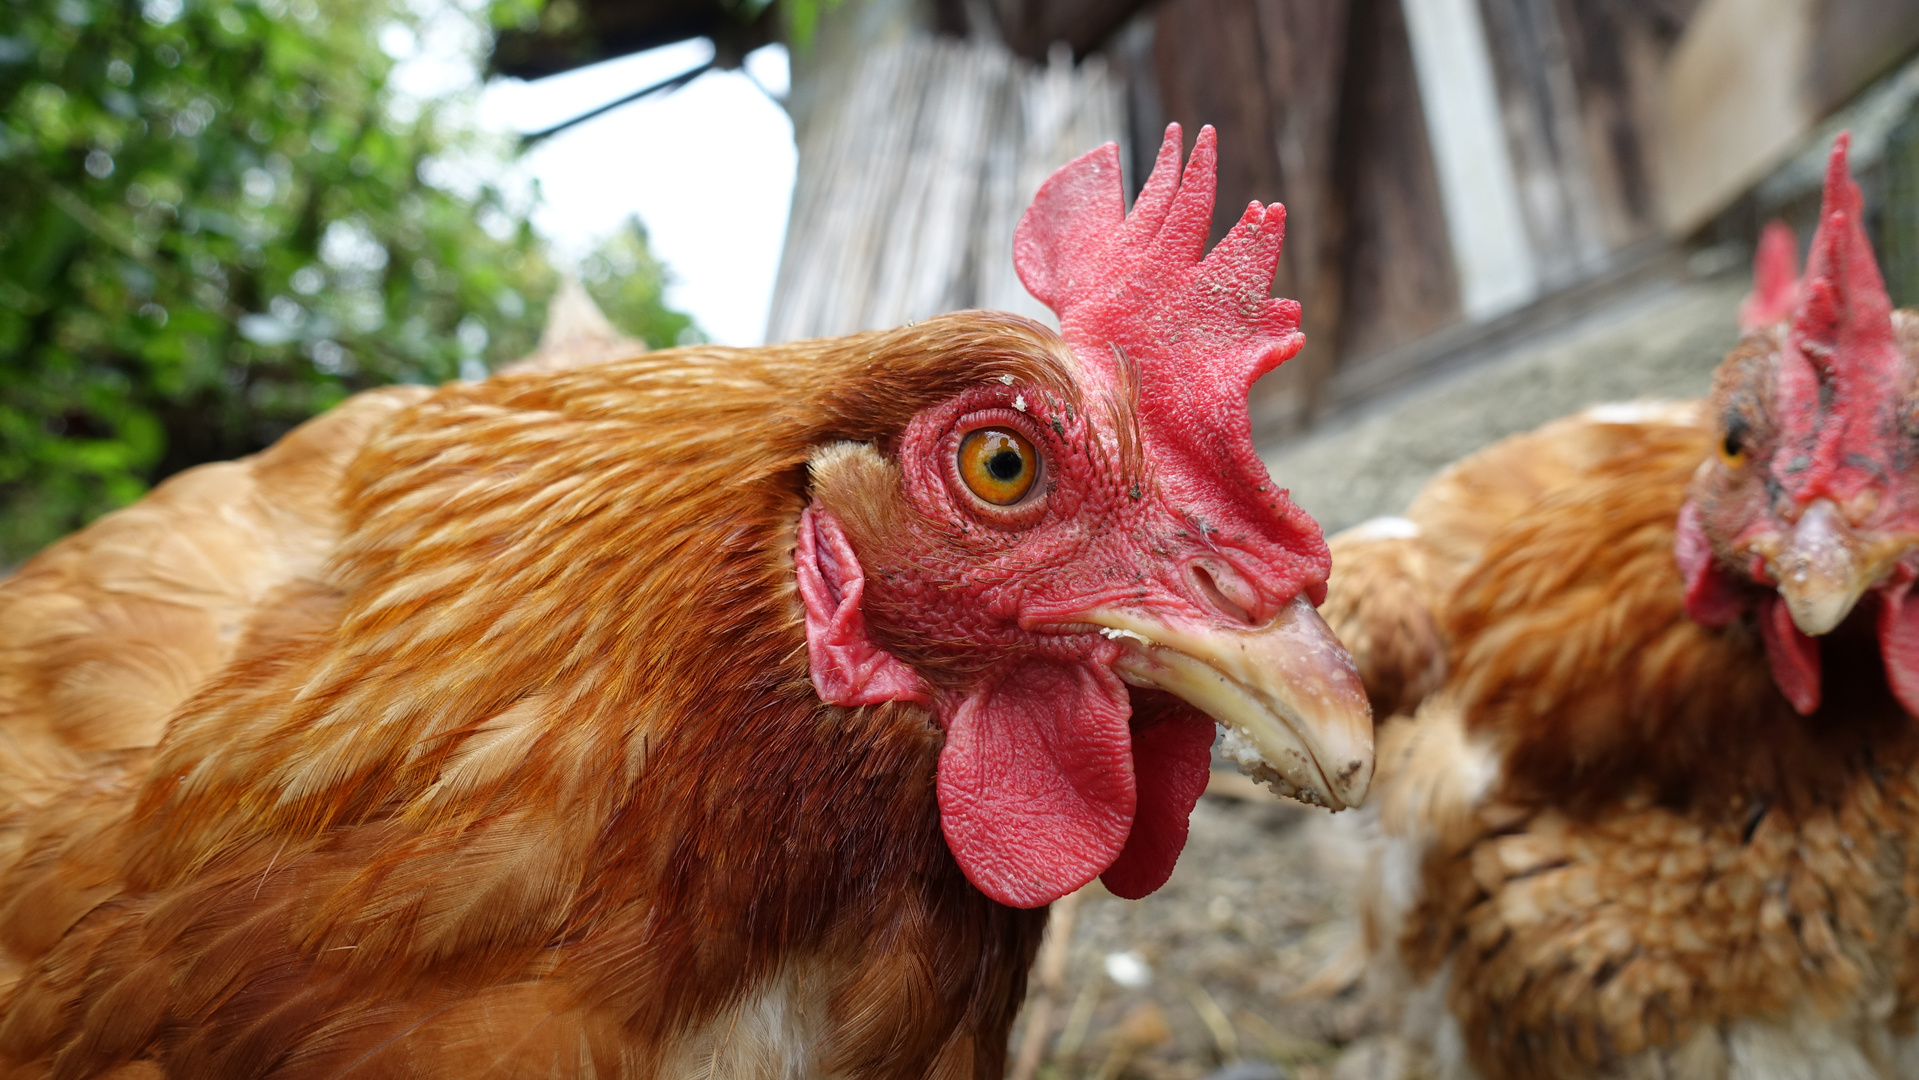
(998, 465)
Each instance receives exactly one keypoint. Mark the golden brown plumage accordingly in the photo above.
(1380, 603)
(1657, 817)
(436, 762)
(1391, 575)
(711, 712)
(104, 633)
(1611, 847)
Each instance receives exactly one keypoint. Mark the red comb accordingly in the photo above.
(1775, 278)
(1137, 282)
(1840, 364)
(1134, 287)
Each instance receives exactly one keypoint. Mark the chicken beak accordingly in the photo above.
(1287, 695)
(1823, 567)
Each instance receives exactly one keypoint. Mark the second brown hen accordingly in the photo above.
(1650, 803)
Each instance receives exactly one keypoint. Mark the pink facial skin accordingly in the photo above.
(1150, 499)
(1810, 510)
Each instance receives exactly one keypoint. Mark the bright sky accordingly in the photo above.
(707, 168)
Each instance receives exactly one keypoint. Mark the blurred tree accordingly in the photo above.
(629, 284)
(220, 219)
(802, 18)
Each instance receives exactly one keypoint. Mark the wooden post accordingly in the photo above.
(917, 157)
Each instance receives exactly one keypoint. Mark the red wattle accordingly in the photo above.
(1036, 786)
(1899, 643)
(1172, 760)
(1711, 597)
(1793, 657)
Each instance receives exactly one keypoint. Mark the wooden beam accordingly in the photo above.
(1396, 265)
(1460, 98)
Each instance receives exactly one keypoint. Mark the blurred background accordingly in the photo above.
(223, 216)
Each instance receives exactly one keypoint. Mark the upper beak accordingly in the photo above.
(1286, 693)
(1823, 566)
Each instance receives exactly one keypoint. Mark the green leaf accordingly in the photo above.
(172, 185)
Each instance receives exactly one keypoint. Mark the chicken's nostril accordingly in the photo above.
(1209, 589)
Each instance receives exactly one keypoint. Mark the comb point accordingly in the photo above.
(1844, 315)
(1149, 210)
(1140, 283)
(1840, 364)
(1775, 278)
(1073, 214)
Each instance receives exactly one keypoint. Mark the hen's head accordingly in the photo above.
(1811, 504)
(1075, 569)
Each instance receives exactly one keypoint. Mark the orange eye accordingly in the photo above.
(1732, 448)
(998, 465)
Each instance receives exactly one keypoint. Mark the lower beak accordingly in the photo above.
(1287, 694)
(1824, 567)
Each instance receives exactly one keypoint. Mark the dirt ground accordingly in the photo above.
(1202, 978)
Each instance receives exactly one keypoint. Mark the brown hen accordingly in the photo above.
(709, 712)
(1649, 806)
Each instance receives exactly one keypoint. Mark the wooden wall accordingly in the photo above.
(924, 125)
(1748, 80)
(917, 157)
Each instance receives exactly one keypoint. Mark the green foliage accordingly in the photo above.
(803, 19)
(503, 14)
(629, 284)
(221, 219)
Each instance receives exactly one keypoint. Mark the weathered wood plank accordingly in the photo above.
(1395, 264)
(913, 173)
(1749, 78)
(1617, 53)
(1545, 131)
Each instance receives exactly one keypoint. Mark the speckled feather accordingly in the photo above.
(1613, 848)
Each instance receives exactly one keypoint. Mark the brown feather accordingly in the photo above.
(1627, 847)
(1380, 603)
(522, 773)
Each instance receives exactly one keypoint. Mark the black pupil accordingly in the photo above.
(1006, 465)
(1735, 435)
